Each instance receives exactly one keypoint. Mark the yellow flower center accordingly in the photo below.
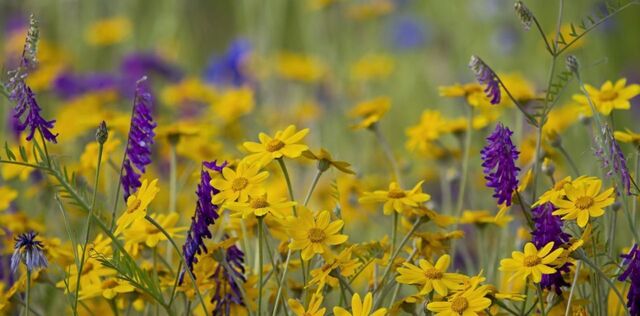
(133, 206)
(608, 95)
(584, 202)
(239, 183)
(260, 202)
(531, 261)
(274, 145)
(316, 235)
(459, 305)
(433, 274)
(396, 194)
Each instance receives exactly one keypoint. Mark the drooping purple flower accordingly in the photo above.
(499, 162)
(230, 68)
(205, 214)
(138, 152)
(485, 75)
(68, 84)
(29, 251)
(613, 161)
(632, 273)
(229, 274)
(548, 228)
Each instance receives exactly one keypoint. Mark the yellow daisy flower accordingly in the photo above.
(299, 67)
(627, 137)
(141, 231)
(283, 144)
(583, 200)
(238, 185)
(609, 97)
(137, 205)
(471, 302)
(314, 234)
(557, 191)
(482, 218)
(315, 306)
(7, 195)
(430, 277)
(108, 31)
(325, 161)
(372, 67)
(261, 205)
(359, 307)
(396, 198)
(370, 111)
(532, 262)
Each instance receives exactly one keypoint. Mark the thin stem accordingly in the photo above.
(313, 186)
(573, 287)
(465, 162)
(288, 180)
(28, 294)
(581, 255)
(384, 144)
(260, 285)
(394, 231)
(572, 164)
(173, 171)
(544, 37)
(174, 289)
(88, 227)
(44, 145)
(541, 300)
(530, 118)
(281, 283)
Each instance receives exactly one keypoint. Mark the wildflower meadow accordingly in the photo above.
(320, 157)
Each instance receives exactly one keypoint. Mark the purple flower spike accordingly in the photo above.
(499, 163)
(227, 276)
(206, 213)
(485, 75)
(632, 273)
(548, 228)
(138, 153)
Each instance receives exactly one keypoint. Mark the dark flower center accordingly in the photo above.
(134, 205)
(316, 235)
(459, 305)
(239, 183)
(584, 202)
(260, 202)
(396, 194)
(274, 145)
(531, 261)
(433, 274)
(608, 95)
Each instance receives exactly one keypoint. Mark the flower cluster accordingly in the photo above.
(499, 162)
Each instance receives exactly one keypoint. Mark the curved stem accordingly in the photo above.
(572, 164)
(285, 172)
(603, 276)
(573, 287)
(281, 283)
(313, 186)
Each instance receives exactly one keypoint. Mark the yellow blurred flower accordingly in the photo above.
(627, 137)
(109, 289)
(283, 144)
(7, 195)
(370, 112)
(325, 161)
(299, 67)
(233, 104)
(397, 199)
(315, 306)
(313, 234)
(370, 9)
(88, 159)
(143, 232)
(261, 205)
(186, 91)
(343, 263)
(372, 67)
(610, 96)
(137, 205)
(521, 89)
(482, 218)
(108, 31)
(428, 130)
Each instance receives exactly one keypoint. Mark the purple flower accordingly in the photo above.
(485, 75)
(408, 32)
(205, 214)
(229, 274)
(68, 84)
(230, 68)
(608, 151)
(499, 163)
(29, 251)
(136, 65)
(632, 273)
(548, 228)
(138, 152)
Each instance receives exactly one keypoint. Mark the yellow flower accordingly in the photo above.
(315, 306)
(7, 195)
(188, 90)
(283, 144)
(347, 267)
(482, 218)
(627, 137)
(583, 200)
(609, 97)
(471, 302)
(372, 67)
(137, 205)
(109, 288)
(238, 185)
(314, 234)
(429, 129)
(141, 231)
(370, 9)
(557, 191)
(261, 205)
(325, 161)
(521, 89)
(370, 111)
(233, 104)
(300, 67)
(472, 92)
(359, 307)
(88, 161)
(430, 277)
(108, 31)
(532, 262)
(396, 198)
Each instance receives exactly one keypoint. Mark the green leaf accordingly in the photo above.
(10, 154)
(23, 153)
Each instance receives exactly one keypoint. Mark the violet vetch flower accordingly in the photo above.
(548, 228)
(68, 84)
(205, 214)
(138, 152)
(485, 75)
(29, 251)
(228, 275)
(632, 273)
(613, 161)
(230, 68)
(499, 162)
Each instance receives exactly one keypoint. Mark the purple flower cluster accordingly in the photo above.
(30, 251)
(548, 228)
(138, 153)
(499, 163)
(485, 75)
(206, 213)
(632, 261)
(228, 275)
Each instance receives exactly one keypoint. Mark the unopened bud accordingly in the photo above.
(525, 15)
(102, 133)
(572, 64)
(548, 167)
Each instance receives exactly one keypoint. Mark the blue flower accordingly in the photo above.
(29, 251)
(408, 33)
(499, 163)
(230, 68)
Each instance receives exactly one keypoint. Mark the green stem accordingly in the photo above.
(313, 186)
(465, 162)
(288, 180)
(260, 285)
(573, 287)
(386, 148)
(541, 300)
(281, 283)
(572, 164)
(173, 171)
(174, 289)
(394, 231)
(28, 294)
(88, 228)
(581, 255)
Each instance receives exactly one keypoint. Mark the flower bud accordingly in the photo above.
(572, 64)
(525, 15)
(102, 133)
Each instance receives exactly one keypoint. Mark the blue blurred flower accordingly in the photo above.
(230, 68)
(408, 32)
(68, 84)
